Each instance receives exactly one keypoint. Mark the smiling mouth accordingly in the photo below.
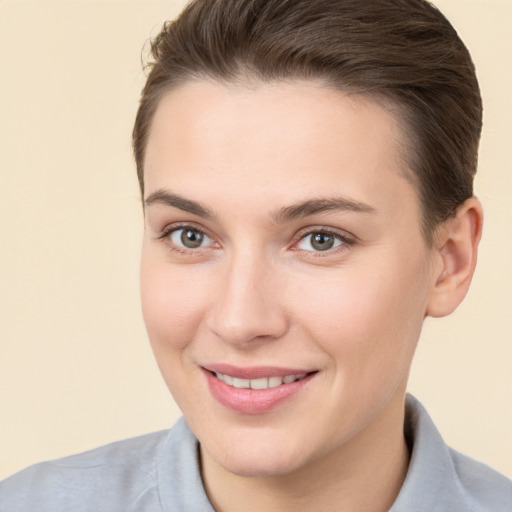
(260, 383)
(255, 390)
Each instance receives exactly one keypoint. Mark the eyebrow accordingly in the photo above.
(187, 205)
(321, 205)
(286, 214)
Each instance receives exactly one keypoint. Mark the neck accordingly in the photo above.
(366, 474)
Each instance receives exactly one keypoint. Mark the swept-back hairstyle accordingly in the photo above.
(403, 52)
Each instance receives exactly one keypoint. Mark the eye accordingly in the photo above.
(320, 241)
(189, 238)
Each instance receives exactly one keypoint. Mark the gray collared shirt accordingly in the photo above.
(159, 472)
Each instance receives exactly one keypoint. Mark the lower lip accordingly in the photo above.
(253, 401)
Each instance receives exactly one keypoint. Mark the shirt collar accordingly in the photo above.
(431, 480)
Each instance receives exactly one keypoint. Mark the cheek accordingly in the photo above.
(173, 303)
(365, 314)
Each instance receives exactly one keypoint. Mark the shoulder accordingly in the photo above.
(441, 479)
(150, 473)
(110, 475)
(482, 486)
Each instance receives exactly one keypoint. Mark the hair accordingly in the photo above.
(404, 53)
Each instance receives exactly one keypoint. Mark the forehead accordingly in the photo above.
(282, 140)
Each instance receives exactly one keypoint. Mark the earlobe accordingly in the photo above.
(457, 248)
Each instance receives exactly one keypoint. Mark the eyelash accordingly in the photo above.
(346, 241)
(165, 236)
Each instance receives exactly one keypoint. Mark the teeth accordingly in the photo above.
(273, 382)
(262, 383)
(241, 383)
(259, 383)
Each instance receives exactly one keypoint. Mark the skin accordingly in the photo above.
(256, 292)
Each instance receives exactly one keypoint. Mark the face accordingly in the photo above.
(284, 277)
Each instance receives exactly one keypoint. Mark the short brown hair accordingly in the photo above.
(403, 51)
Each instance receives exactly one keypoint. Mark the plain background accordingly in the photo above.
(76, 369)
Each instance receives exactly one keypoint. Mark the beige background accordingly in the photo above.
(75, 367)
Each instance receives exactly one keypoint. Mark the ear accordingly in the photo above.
(456, 249)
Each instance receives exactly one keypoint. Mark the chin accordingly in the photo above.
(260, 459)
(257, 468)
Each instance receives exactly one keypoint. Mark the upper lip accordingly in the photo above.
(254, 372)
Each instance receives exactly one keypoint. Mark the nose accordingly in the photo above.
(249, 304)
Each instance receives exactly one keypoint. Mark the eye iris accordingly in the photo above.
(322, 241)
(191, 239)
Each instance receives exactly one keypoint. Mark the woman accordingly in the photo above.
(306, 170)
